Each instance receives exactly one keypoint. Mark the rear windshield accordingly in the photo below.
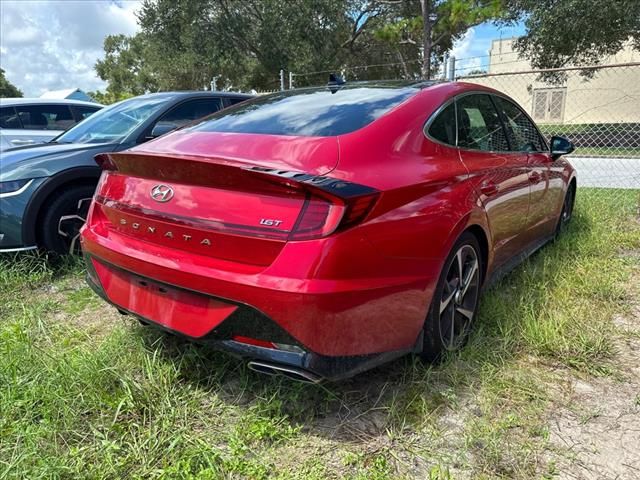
(312, 112)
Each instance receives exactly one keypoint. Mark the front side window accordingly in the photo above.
(45, 117)
(443, 128)
(523, 135)
(319, 112)
(479, 126)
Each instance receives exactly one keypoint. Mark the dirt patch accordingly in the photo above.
(74, 304)
(595, 428)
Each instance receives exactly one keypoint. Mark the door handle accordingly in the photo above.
(534, 177)
(489, 188)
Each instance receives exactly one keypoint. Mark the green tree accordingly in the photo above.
(578, 32)
(8, 89)
(109, 97)
(183, 44)
(434, 25)
(125, 66)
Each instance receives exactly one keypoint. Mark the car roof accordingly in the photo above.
(197, 93)
(8, 102)
(418, 84)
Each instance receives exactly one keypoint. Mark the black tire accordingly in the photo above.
(64, 215)
(448, 330)
(567, 210)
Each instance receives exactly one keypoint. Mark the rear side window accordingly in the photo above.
(83, 112)
(309, 112)
(9, 118)
(234, 100)
(479, 126)
(45, 117)
(443, 128)
(192, 110)
(523, 135)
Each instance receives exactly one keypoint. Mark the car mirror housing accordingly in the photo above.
(560, 146)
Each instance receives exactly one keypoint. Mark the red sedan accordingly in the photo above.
(320, 232)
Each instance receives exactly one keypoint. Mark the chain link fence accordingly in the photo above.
(597, 108)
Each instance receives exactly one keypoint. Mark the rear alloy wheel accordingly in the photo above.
(61, 223)
(455, 300)
(567, 210)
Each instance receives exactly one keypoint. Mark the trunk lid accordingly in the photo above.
(228, 196)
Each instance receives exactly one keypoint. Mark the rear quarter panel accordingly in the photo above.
(427, 199)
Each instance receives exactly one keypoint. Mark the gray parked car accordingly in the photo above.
(27, 121)
(46, 190)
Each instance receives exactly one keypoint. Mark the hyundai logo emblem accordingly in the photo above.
(162, 193)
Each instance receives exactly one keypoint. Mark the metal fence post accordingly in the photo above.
(445, 63)
(452, 68)
(281, 80)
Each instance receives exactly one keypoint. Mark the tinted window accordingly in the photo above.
(45, 117)
(479, 125)
(308, 112)
(234, 100)
(9, 118)
(84, 112)
(113, 123)
(523, 134)
(192, 110)
(443, 128)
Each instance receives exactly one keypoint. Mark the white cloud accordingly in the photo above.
(466, 52)
(51, 45)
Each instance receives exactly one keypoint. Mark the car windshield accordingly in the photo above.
(309, 112)
(113, 123)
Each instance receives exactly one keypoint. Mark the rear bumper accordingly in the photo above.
(246, 321)
(357, 312)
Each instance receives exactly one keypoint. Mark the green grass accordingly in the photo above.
(85, 393)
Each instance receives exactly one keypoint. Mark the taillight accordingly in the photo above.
(253, 341)
(321, 217)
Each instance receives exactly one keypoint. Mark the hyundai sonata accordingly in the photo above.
(320, 232)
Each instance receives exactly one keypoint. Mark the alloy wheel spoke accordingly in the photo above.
(452, 333)
(469, 278)
(468, 314)
(444, 303)
(459, 263)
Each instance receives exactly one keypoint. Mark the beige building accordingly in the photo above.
(611, 95)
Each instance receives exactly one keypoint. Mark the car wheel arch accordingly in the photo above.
(34, 209)
(475, 222)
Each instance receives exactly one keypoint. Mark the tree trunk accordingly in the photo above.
(426, 38)
(404, 65)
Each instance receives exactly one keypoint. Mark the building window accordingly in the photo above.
(548, 104)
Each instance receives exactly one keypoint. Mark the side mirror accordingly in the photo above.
(560, 146)
(161, 128)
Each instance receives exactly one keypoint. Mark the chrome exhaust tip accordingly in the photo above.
(291, 372)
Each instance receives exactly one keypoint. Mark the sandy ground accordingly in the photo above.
(595, 429)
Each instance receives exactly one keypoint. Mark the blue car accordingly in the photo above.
(45, 190)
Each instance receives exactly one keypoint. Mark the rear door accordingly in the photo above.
(500, 176)
(40, 123)
(525, 138)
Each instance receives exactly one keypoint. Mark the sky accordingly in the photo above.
(52, 45)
